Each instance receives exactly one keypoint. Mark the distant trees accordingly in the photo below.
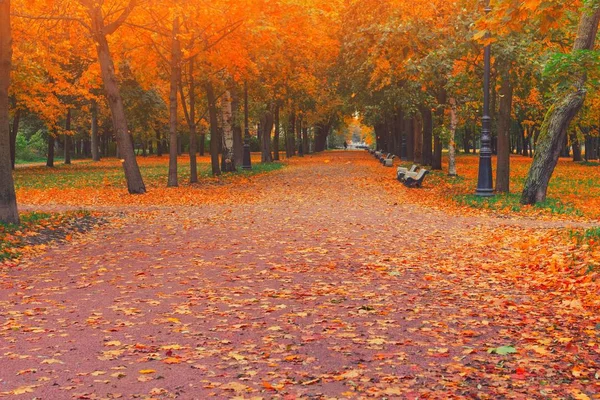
(410, 70)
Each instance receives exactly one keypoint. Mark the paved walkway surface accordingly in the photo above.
(324, 282)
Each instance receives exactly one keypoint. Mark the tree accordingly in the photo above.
(175, 81)
(504, 119)
(8, 199)
(561, 113)
(100, 30)
(227, 123)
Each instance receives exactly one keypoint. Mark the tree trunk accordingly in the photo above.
(493, 114)
(95, 147)
(267, 128)
(305, 147)
(504, 120)
(524, 150)
(175, 77)
(238, 141)
(159, 145)
(202, 149)
(427, 135)
(214, 129)
(13, 138)
(8, 199)
(467, 140)
(276, 138)
(299, 138)
(576, 146)
(436, 163)
(418, 138)
(227, 119)
(68, 139)
(409, 130)
(192, 125)
(50, 156)
(452, 143)
(289, 134)
(321, 133)
(559, 118)
(397, 132)
(135, 183)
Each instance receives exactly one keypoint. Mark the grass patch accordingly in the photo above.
(511, 202)
(589, 163)
(587, 236)
(109, 173)
(35, 160)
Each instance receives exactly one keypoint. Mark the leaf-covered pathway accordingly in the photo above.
(325, 280)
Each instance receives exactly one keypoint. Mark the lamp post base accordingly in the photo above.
(485, 184)
(246, 161)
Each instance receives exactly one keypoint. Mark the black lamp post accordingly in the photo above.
(484, 182)
(246, 161)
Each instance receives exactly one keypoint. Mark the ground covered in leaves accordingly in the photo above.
(325, 279)
(574, 191)
(38, 230)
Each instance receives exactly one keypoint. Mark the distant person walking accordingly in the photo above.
(345, 145)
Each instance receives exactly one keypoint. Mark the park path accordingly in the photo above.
(327, 281)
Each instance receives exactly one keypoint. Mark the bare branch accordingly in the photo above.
(184, 103)
(53, 18)
(228, 31)
(145, 28)
(113, 26)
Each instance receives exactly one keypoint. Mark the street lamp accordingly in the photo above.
(246, 161)
(484, 182)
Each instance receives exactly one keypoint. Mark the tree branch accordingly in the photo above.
(113, 26)
(53, 18)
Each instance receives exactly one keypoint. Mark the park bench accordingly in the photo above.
(402, 171)
(415, 179)
(384, 157)
(389, 162)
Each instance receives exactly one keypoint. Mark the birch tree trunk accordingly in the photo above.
(267, 127)
(559, 117)
(436, 163)
(452, 142)
(175, 77)
(214, 129)
(8, 199)
(227, 118)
